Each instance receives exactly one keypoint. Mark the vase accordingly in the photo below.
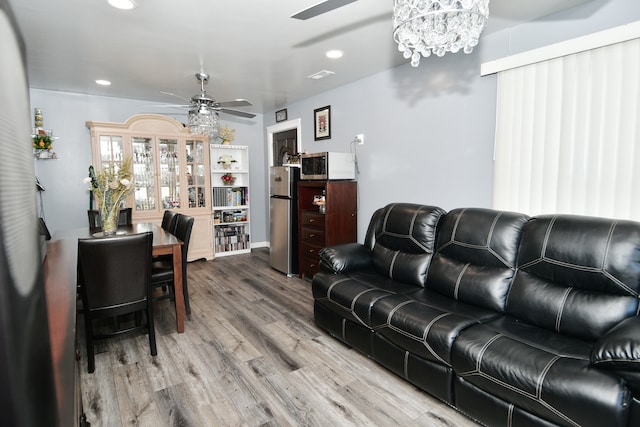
(110, 220)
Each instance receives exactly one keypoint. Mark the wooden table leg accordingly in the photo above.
(177, 282)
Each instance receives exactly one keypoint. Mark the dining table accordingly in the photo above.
(164, 243)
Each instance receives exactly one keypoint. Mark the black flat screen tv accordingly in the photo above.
(27, 390)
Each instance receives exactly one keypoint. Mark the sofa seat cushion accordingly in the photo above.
(352, 295)
(540, 371)
(424, 322)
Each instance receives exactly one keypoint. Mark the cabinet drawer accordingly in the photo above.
(312, 219)
(309, 250)
(309, 267)
(312, 235)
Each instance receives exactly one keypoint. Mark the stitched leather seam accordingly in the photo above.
(406, 364)
(528, 395)
(337, 282)
(418, 339)
(396, 308)
(510, 415)
(484, 349)
(456, 288)
(547, 235)
(393, 261)
(561, 309)
(543, 375)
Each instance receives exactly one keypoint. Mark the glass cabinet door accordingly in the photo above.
(169, 173)
(111, 150)
(196, 171)
(143, 173)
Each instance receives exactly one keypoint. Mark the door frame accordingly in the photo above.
(281, 127)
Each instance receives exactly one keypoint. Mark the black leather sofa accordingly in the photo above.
(514, 321)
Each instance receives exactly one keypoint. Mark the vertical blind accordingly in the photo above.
(568, 135)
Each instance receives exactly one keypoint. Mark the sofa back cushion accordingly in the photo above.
(577, 275)
(476, 255)
(402, 238)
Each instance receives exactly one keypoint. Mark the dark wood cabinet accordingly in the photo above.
(316, 230)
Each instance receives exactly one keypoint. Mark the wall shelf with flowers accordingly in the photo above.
(42, 139)
(230, 182)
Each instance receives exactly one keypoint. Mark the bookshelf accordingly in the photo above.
(230, 199)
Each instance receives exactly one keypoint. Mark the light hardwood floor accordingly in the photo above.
(251, 355)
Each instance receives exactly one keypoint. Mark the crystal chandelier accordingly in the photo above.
(423, 27)
(204, 121)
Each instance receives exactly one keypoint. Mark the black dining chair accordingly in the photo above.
(162, 271)
(115, 273)
(169, 221)
(125, 217)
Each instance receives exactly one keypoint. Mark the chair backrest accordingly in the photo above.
(125, 217)
(169, 221)
(115, 271)
(183, 232)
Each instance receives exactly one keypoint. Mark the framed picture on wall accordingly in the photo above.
(281, 115)
(322, 123)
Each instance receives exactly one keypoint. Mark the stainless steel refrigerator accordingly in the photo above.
(283, 229)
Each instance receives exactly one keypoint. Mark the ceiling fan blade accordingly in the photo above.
(238, 113)
(234, 103)
(173, 94)
(168, 106)
(320, 8)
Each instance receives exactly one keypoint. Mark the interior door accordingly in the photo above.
(285, 145)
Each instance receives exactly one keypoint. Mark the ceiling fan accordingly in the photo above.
(203, 102)
(320, 8)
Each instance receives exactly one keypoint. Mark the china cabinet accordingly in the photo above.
(170, 170)
(327, 215)
(230, 183)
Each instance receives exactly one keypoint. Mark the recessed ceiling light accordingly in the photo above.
(103, 82)
(334, 54)
(122, 4)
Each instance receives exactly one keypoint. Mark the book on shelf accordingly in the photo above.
(233, 196)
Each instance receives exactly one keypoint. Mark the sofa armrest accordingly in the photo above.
(619, 351)
(345, 258)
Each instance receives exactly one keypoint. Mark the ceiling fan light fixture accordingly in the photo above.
(203, 121)
(437, 26)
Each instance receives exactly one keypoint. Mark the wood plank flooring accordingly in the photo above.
(251, 355)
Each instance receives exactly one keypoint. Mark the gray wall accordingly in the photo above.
(428, 131)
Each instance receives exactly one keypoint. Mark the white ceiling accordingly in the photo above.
(251, 48)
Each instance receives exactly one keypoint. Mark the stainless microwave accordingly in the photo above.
(327, 166)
